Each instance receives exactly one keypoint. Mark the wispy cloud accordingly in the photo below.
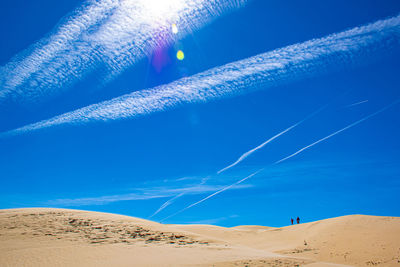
(259, 72)
(286, 158)
(104, 35)
(213, 220)
(215, 193)
(139, 194)
(102, 200)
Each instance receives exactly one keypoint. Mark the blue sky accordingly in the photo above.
(133, 166)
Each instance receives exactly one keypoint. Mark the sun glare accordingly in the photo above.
(162, 8)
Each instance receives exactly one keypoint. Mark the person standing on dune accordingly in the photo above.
(291, 220)
(298, 220)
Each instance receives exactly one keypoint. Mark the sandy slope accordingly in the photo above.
(355, 240)
(57, 237)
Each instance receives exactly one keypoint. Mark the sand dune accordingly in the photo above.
(355, 240)
(59, 237)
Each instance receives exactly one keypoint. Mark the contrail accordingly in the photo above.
(173, 199)
(251, 151)
(216, 193)
(286, 158)
(337, 132)
(241, 158)
(245, 155)
(357, 103)
(166, 204)
(106, 36)
(263, 71)
(248, 153)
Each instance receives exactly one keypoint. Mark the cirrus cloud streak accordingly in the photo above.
(263, 71)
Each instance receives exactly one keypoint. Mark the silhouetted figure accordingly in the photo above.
(298, 220)
(292, 220)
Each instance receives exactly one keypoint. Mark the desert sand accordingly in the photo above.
(60, 237)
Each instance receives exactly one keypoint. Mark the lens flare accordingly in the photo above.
(180, 55)
(174, 28)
